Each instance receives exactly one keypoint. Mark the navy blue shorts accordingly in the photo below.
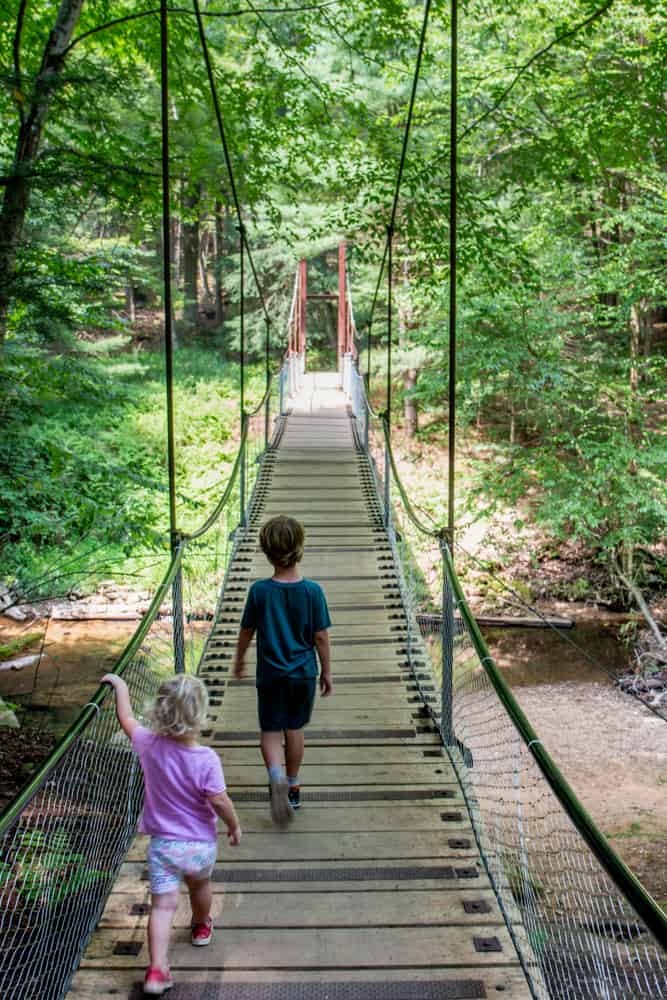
(286, 703)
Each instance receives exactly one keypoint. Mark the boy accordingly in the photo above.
(291, 618)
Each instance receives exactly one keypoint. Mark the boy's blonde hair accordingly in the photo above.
(281, 539)
(180, 706)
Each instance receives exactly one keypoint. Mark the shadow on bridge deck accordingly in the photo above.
(377, 889)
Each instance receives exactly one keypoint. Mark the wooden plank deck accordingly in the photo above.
(376, 891)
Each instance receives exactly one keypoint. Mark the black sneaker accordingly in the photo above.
(294, 796)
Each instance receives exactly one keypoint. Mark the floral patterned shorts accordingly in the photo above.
(170, 860)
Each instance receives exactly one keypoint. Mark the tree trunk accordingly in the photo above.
(204, 253)
(191, 256)
(129, 303)
(17, 192)
(218, 252)
(410, 411)
(176, 251)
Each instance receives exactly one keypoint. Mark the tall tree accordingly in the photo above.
(33, 109)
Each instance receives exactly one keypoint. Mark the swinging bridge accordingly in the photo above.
(439, 853)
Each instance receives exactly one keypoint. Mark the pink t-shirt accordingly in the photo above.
(177, 781)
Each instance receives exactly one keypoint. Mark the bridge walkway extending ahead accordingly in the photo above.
(376, 890)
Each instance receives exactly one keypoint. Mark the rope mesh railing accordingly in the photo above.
(582, 925)
(63, 840)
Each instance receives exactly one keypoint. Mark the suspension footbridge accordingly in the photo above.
(439, 854)
(377, 888)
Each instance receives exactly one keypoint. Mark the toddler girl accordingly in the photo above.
(184, 794)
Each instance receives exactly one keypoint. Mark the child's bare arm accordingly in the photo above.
(324, 652)
(245, 638)
(224, 807)
(123, 705)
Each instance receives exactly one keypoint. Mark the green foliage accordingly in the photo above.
(562, 264)
(48, 869)
(82, 459)
(16, 646)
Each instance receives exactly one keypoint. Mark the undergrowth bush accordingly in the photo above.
(83, 479)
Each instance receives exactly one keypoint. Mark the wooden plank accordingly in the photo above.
(370, 630)
(347, 698)
(335, 909)
(341, 640)
(291, 845)
(343, 585)
(505, 981)
(355, 645)
(318, 948)
(219, 739)
(330, 713)
(342, 755)
(366, 662)
(337, 718)
(335, 775)
(317, 817)
(132, 879)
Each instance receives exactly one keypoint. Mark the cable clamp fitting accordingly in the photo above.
(91, 704)
(534, 742)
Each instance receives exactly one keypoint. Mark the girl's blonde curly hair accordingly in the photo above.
(180, 706)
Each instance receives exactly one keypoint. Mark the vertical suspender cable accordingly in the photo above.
(177, 589)
(267, 377)
(244, 456)
(399, 181)
(453, 164)
(242, 316)
(166, 263)
(390, 268)
(225, 149)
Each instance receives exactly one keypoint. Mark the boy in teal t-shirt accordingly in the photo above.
(291, 618)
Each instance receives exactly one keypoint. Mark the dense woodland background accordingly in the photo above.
(563, 260)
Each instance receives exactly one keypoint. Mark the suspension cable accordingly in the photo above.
(166, 264)
(225, 147)
(404, 150)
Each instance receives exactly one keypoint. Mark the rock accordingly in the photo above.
(9, 607)
(8, 719)
(7, 596)
(17, 614)
(20, 662)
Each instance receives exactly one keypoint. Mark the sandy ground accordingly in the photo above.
(613, 752)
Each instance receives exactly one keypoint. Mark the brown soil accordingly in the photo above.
(21, 751)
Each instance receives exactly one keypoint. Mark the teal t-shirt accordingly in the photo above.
(286, 617)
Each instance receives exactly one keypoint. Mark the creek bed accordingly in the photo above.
(611, 748)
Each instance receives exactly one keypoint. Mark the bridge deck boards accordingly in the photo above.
(367, 894)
